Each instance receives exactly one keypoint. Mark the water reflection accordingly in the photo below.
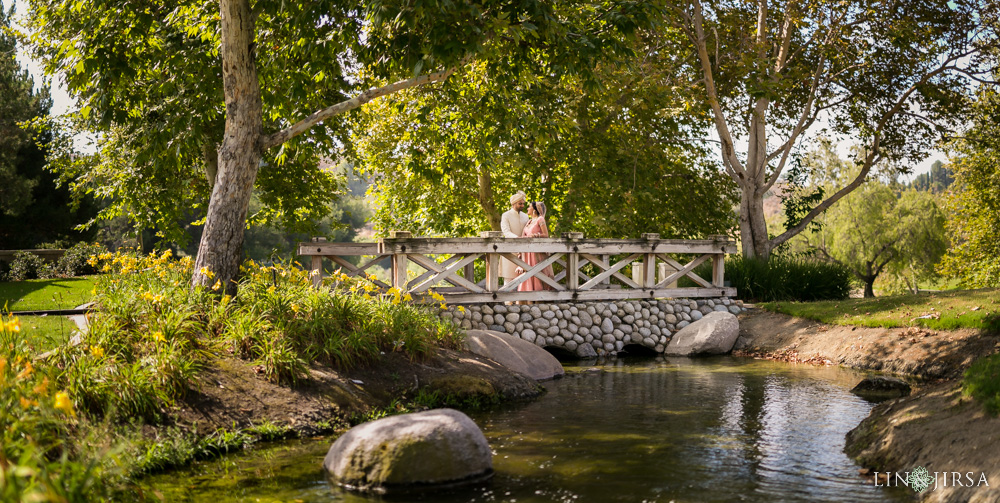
(676, 429)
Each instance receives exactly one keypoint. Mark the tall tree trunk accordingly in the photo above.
(221, 246)
(753, 227)
(870, 287)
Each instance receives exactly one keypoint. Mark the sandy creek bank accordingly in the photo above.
(935, 427)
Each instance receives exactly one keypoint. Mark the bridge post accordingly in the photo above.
(572, 262)
(400, 262)
(649, 262)
(492, 263)
(718, 261)
(316, 266)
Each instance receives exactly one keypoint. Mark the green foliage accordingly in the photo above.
(445, 159)
(972, 309)
(147, 341)
(75, 261)
(174, 448)
(20, 103)
(876, 231)
(937, 180)
(45, 454)
(783, 278)
(771, 72)
(27, 265)
(140, 79)
(982, 382)
(33, 206)
(974, 203)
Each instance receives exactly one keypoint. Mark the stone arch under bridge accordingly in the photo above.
(589, 329)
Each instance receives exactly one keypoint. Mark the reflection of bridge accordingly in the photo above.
(585, 269)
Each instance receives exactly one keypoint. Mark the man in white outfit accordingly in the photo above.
(512, 223)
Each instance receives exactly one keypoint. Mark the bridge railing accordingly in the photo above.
(586, 269)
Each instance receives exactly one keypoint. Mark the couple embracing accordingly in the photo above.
(517, 224)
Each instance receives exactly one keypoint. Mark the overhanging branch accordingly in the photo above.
(277, 138)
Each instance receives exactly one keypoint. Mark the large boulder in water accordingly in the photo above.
(878, 388)
(714, 334)
(514, 353)
(440, 447)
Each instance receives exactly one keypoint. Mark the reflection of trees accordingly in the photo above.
(753, 402)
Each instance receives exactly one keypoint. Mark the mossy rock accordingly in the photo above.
(436, 448)
(463, 386)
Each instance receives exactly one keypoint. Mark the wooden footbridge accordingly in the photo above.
(467, 270)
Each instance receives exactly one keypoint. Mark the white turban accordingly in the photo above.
(520, 196)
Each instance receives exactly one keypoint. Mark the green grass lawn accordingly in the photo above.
(978, 309)
(46, 332)
(39, 294)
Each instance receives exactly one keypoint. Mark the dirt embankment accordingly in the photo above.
(230, 393)
(935, 427)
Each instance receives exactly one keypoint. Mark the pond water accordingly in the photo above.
(652, 430)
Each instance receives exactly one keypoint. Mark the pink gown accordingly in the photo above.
(533, 283)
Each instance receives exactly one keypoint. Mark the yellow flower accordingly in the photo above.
(158, 336)
(208, 274)
(217, 285)
(444, 306)
(13, 324)
(295, 308)
(437, 296)
(64, 404)
(97, 351)
(25, 403)
(270, 289)
(3, 366)
(226, 299)
(461, 309)
(407, 298)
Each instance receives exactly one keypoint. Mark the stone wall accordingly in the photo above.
(591, 328)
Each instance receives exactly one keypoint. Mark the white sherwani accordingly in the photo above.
(511, 223)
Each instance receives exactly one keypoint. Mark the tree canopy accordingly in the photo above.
(881, 232)
(34, 208)
(20, 103)
(226, 97)
(891, 74)
(613, 159)
(974, 202)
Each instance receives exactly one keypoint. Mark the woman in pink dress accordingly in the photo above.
(535, 228)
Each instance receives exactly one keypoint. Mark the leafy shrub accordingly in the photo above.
(781, 278)
(76, 261)
(26, 265)
(46, 452)
(982, 382)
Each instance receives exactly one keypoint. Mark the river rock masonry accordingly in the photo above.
(591, 328)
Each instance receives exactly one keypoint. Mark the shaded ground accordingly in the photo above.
(936, 427)
(230, 393)
(920, 352)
